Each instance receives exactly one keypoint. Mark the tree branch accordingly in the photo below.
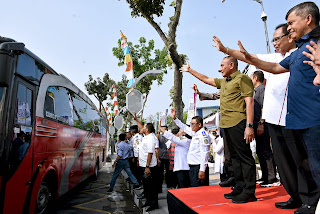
(174, 22)
(156, 27)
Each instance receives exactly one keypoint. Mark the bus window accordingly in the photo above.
(57, 107)
(2, 96)
(30, 69)
(24, 109)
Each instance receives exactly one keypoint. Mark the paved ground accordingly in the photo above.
(91, 197)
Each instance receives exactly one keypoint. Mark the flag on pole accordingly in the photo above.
(108, 115)
(115, 101)
(127, 60)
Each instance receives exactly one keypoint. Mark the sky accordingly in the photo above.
(76, 37)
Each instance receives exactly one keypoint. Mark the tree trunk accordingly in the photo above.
(177, 101)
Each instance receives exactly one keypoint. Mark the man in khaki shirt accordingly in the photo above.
(236, 106)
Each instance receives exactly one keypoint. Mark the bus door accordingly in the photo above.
(21, 122)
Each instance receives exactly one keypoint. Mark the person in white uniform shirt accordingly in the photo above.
(148, 161)
(135, 140)
(289, 152)
(181, 167)
(198, 153)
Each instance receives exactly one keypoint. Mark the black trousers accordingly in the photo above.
(228, 170)
(293, 166)
(183, 178)
(264, 153)
(244, 167)
(134, 168)
(149, 184)
(194, 176)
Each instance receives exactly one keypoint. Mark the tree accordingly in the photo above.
(150, 8)
(144, 58)
(100, 89)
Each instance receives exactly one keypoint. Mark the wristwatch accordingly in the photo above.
(147, 166)
(250, 125)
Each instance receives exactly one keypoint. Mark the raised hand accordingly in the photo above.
(135, 116)
(185, 68)
(244, 51)
(195, 89)
(219, 45)
(173, 112)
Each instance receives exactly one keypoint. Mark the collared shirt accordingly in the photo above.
(303, 96)
(258, 103)
(136, 140)
(276, 90)
(232, 94)
(181, 151)
(198, 153)
(147, 146)
(123, 150)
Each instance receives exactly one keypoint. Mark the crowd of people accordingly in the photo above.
(275, 103)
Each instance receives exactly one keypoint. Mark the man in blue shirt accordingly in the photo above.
(122, 163)
(303, 97)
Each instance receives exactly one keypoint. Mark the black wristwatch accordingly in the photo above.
(250, 125)
(147, 166)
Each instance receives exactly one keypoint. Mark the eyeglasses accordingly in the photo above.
(193, 124)
(277, 39)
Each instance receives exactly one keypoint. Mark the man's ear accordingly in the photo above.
(309, 19)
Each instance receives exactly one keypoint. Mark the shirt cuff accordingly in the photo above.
(203, 167)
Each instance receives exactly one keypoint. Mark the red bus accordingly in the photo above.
(52, 137)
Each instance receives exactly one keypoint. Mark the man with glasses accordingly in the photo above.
(288, 148)
(198, 153)
(236, 106)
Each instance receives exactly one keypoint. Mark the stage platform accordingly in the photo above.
(210, 200)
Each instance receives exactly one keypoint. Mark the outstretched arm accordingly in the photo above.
(234, 53)
(270, 67)
(182, 126)
(138, 122)
(201, 77)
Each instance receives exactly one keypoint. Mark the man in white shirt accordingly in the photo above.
(181, 167)
(148, 161)
(135, 141)
(289, 151)
(198, 153)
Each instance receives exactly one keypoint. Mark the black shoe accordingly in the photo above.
(137, 186)
(232, 194)
(227, 183)
(305, 209)
(152, 207)
(290, 204)
(109, 190)
(244, 198)
(146, 204)
(268, 182)
(141, 196)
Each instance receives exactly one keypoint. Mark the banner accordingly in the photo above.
(192, 108)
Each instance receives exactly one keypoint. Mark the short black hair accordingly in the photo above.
(284, 27)
(305, 8)
(198, 119)
(232, 59)
(122, 137)
(259, 74)
(175, 130)
(150, 127)
(165, 127)
(134, 129)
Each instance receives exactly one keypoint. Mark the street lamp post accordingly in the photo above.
(264, 19)
(152, 72)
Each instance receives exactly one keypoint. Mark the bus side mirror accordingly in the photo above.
(6, 60)
(5, 68)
